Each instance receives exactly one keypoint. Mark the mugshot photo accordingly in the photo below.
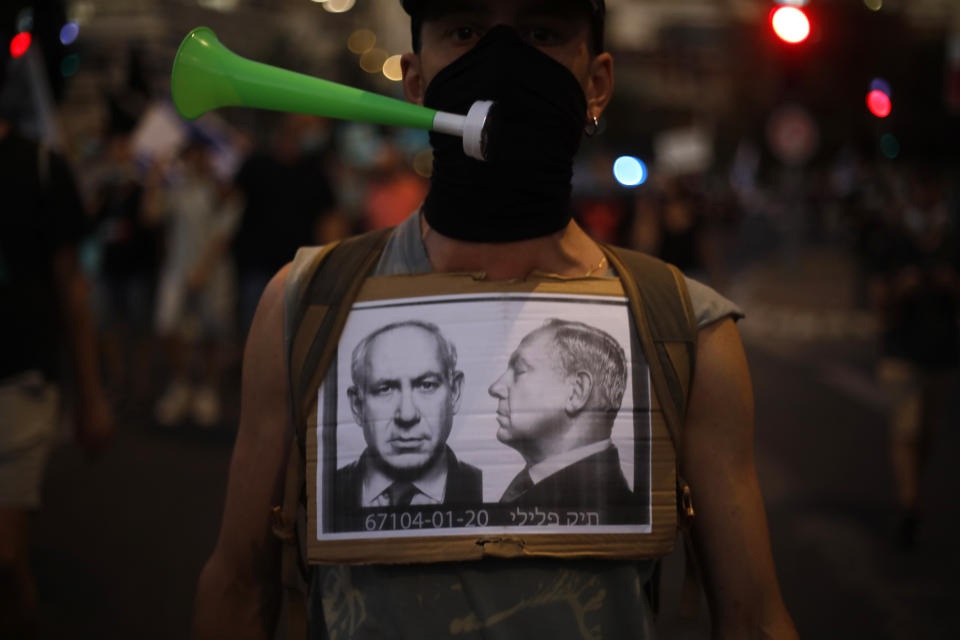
(532, 413)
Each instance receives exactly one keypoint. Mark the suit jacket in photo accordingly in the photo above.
(464, 486)
(595, 483)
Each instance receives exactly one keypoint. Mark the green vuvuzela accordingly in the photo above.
(206, 75)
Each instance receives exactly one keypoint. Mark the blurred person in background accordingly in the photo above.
(602, 218)
(393, 189)
(128, 241)
(915, 287)
(43, 295)
(601, 205)
(287, 199)
(196, 297)
(670, 225)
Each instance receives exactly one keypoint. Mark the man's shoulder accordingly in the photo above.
(265, 388)
(595, 464)
(708, 305)
(462, 467)
(348, 483)
(600, 468)
(348, 470)
(591, 481)
(468, 471)
(274, 291)
(464, 481)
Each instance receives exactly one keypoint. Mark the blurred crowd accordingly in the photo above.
(187, 223)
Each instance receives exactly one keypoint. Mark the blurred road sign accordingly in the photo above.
(683, 151)
(792, 134)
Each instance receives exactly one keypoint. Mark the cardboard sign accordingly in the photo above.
(472, 418)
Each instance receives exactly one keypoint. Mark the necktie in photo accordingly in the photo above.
(518, 486)
(401, 493)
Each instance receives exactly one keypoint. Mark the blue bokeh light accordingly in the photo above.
(69, 33)
(630, 171)
(879, 84)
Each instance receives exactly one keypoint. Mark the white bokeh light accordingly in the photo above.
(629, 171)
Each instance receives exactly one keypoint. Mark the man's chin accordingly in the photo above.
(408, 466)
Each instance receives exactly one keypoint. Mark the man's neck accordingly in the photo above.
(569, 438)
(564, 459)
(431, 481)
(569, 252)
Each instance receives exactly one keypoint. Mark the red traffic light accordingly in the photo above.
(879, 103)
(790, 24)
(20, 44)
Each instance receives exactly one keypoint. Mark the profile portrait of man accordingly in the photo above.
(405, 392)
(556, 405)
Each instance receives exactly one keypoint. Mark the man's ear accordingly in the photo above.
(356, 404)
(581, 388)
(599, 86)
(413, 87)
(456, 385)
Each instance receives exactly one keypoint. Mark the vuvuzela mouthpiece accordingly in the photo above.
(206, 76)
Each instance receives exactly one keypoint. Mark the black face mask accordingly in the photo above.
(523, 189)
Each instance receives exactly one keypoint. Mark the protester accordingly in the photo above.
(915, 287)
(43, 295)
(197, 292)
(288, 200)
(545, 64)
(128, 244)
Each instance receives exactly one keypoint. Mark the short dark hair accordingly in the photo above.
(583, 347)
(417, 9)
(446, 351)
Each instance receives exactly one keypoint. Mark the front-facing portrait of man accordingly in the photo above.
(405, 392)
(556, 405)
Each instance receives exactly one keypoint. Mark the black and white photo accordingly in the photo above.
(556, 404)
(404, 396)
(530, 413)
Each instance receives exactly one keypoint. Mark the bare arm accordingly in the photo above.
(238, 593)
(94, 421)
(730, 529)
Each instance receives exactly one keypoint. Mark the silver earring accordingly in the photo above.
(592, 127)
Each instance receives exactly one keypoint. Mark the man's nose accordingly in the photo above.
(407, 412)
(498, 389)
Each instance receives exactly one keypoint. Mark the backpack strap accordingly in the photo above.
(286, 520)
(320, 313)
(322, 284)
(667, 330)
